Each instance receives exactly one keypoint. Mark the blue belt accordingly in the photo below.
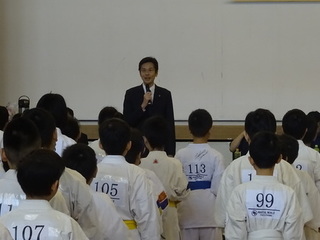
(199, 185)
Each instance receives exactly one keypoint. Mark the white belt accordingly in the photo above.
(265, 234)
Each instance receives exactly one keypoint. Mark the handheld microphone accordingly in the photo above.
(148, 90)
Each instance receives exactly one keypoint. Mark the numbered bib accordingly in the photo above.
(247, 175)
(196, 172)
(301, 166)
(9, 201)
(115, 187)
(264, 204)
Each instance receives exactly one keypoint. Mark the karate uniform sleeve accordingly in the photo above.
(293, 227)
(314, 200)
(236, 227)
(144, 210)
(179, 183)
(58, 203)
(217, 174)
(317, 171)
(111, 226)
(4, 233)
(224, 191)
(77, 233)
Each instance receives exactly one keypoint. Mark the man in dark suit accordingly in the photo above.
(148, 99)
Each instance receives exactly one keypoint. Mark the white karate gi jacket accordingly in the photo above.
(63, 142)
(110, 224)
(202, 165)
(313, 195)
(169, 171)
(36, 219)
(79, 200)
(128, 187)
(240, 171)
(100, 153)
(11, 194)
(4, 233)
(264, 209)
(308, 160)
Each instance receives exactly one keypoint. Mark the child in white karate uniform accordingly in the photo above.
(203, 167)
(168, 170)
(240, 170)
(294, 123)
(126, 184)
(289, 150)
(72, 185)
(20, 138)
(38, 174)
(134, 157)
(264, 208)
(82, 159)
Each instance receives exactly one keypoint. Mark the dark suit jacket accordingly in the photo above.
(161, 105)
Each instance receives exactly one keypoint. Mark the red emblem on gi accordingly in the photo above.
(155, 161)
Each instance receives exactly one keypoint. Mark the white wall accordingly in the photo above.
(229, 58)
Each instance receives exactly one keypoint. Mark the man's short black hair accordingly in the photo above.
(295, 123)
(38, 171)
(200, 122)
(151, 60)
(260, 120)
(114, 136)
(265, 149)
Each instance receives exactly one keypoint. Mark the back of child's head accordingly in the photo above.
(200, 122)
(315, 115)
(114, 136)
(260, 120)
(311, 133)
(56, 105)
(137, 146)
(155, 129)
(38, 171)
(72, 128)
(295, 123)
(108, 113)
(265, 149)
(20, 137)
(81, 158)
(4, 117)
(289, 148)
(45, 124)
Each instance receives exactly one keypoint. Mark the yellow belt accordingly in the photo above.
(172, 204)
(131, 224)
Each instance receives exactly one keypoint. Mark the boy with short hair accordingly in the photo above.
(294, 123)
(264, 208)
(203, 167)
(240, 170)
(82, 158)
(125, 183)
(38, 175)
(20, 138)
(168, 170)
(289, 150)
(75, 191)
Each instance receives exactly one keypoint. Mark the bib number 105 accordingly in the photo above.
(107, 188)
